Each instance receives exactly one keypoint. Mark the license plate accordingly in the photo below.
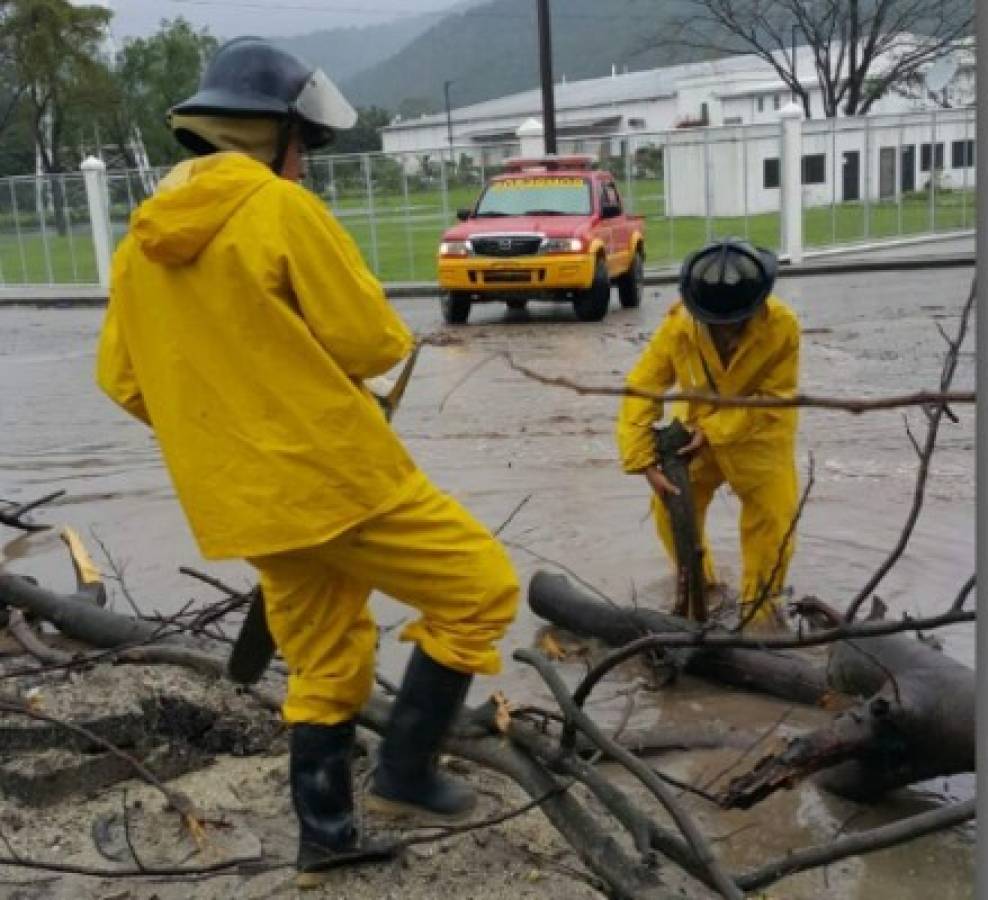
(507, 277)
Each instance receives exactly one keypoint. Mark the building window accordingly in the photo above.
(705, 113)
(761, 104)
(962, 154)
(636, 123)
(777, 101)
(771, 173)
(815, 168)
(732, 120)
(925, 155)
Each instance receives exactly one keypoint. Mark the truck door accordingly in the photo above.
(618, 237)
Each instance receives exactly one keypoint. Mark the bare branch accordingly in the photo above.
(869, 841)
(694, 837)
(922, 473)
(849, 405)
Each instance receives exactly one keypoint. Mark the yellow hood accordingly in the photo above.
(193, 203)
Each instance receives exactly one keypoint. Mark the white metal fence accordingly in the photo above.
(859, 180)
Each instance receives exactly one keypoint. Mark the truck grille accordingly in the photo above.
(507, 245)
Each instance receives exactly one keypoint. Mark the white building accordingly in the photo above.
(718, 126)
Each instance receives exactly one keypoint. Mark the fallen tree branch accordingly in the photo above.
(32, 644)
(864, 842)
(696, 840)
(849, 405)
(13, 516)
(926, 457)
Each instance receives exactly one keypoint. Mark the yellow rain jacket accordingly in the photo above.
(752, 449)
(241, 325)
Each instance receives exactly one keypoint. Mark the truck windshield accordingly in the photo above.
(536, 196)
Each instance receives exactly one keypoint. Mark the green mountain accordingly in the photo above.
(343, 52)
(491, 50)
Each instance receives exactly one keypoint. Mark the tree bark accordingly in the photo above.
(788, 676)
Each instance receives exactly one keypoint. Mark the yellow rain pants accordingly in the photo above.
(751, 450)
(426, 551)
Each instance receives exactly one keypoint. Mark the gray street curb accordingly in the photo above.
(88, 295)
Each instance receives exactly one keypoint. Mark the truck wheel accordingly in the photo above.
(517, 304)
(631, 283)
(591, 305)
(456, 308)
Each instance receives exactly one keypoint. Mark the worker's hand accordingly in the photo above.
(697, 440)
(659, 483)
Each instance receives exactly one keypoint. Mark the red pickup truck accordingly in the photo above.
(550, 229)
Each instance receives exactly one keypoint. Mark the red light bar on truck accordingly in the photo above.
(549, 163)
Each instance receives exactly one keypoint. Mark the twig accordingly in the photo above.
(126, 830)
(177, 800)
(560, 565)
(965, 592)
(766, 590)
(213, 582)
(926, 456)
(32, 644)
(514, 513)
(118, 575)
(694, 837)
(864, 842)
(850, 405)
(14, 518)
(912, 437)
(473, 370)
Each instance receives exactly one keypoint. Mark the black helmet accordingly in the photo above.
(250, 77)
(727, 281)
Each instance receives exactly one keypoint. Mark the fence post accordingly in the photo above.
(98, 198)
(792, 177)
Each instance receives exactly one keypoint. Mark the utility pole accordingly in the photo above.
(545, 65)
(449, 119)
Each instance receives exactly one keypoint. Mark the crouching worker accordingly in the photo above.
(728, 335)
(241, 327)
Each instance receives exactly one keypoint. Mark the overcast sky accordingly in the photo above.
(228, 18)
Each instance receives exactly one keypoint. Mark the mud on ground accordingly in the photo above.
(493, 439)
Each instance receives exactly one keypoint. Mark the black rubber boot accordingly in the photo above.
(322, 794)
(406, 778)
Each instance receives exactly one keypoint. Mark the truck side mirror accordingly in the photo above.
(463, 214)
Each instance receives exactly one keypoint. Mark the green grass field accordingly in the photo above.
(399, 240)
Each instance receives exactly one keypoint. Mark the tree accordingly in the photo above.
(860, 48)
(52, 48)
(365, 136)
(152, 75)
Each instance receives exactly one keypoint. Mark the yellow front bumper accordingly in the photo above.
(477, 274)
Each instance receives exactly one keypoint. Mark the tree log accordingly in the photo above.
(917, 723)
(788, 676)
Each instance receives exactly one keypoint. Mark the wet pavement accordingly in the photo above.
(494, 438)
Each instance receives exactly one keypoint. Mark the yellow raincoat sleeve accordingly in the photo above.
(653, 372)
(781, 379)
(340, 299)
(114, 369)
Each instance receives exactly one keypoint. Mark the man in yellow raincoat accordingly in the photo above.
(728, 335)
(241, 327)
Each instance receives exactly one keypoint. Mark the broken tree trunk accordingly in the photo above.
(917, 723)
(789, 676)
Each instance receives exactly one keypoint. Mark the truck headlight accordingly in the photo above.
(562, 245)
(454, 248)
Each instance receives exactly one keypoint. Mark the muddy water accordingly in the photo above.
(498, 439)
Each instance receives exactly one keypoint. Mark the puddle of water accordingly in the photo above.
(500, 438)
